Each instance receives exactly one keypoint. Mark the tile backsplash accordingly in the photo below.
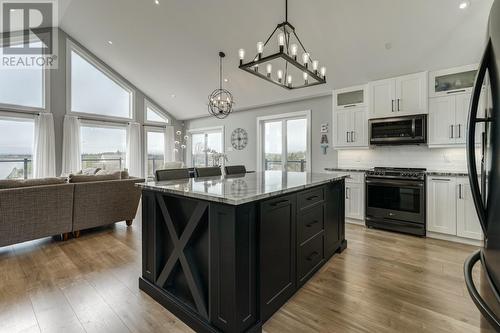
(453, 159)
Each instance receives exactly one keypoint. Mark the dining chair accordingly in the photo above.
(235, 169)
(171, 174)
(208, 172)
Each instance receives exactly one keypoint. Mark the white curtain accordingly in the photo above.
(170, 144)
(44, 153)
(71, 156)
(133, 159)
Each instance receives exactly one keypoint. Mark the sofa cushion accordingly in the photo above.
(14, 183)
(125, 174)
(94, 178)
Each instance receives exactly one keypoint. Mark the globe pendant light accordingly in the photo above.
(284, 57)
(220, 101)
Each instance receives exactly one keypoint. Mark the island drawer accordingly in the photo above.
(309, 257)
(310, 223)
(310, 198)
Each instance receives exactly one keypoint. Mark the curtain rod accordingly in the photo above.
(26, 113)
(105, 121)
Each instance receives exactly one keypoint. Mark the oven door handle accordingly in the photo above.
(395, 183)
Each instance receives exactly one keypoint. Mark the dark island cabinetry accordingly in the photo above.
(223, 267)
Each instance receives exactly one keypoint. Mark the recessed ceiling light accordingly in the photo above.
(173, 95)
(226, 79)
(464, 4)
(157, 2)
(110, 42)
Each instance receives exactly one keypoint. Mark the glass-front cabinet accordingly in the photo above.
(350, 97)
(452, 81)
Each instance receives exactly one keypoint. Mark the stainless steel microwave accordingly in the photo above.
(399, 131)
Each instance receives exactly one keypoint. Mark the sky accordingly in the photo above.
(16, 137)
(296, 136)
(103, 139)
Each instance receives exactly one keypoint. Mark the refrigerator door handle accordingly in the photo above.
(474, 294)
(471, 135)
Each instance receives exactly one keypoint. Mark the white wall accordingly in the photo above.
(453, 159)
(321, 112)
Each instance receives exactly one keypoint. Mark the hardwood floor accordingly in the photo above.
(383, 282)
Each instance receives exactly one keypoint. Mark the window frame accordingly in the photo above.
(156, 109)
(283, 117)
(21, 117)
(103, 124)
(146, 130)
(205, 130)
(45, 89)
(73, 47)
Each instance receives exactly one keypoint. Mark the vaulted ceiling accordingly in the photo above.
(171, 49)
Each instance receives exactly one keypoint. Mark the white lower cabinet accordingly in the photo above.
(355, 197)
(450, 208)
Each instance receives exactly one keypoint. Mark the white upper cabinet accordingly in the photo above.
(350, 122)
(442, 120)
(457, 80)
(353, 97)
(400, 96)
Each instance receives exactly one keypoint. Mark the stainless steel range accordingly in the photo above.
(395, 200)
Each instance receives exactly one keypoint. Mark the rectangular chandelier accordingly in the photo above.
(291, 73)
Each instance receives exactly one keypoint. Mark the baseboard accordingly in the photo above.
(455, 239)
(354, 221)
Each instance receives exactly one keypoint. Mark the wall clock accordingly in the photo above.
(239, 139)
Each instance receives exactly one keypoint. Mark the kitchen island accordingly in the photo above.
(224, 253)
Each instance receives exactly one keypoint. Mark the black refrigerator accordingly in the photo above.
(484, 173)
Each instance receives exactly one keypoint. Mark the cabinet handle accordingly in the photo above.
(347, 192)
(312, 197)
(312, 255)
(442, 179)
(279, 203)
(349, 106)
(456, 91)
(353, 136)
(398, 104)
(452, 136)
(460, 191)
(392, 105)
(459, 130)
(312, 223)
(347, 136)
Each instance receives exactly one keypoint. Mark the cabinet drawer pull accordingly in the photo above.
(398, 104)
(392, 102)
(312, 197)
(460, 191)
(279, 203)
(442, 179)
(452, 136)
(350, 106)
(312, 255)
(456, 91)
(312, 223)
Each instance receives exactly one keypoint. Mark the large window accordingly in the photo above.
(95, 91)
(154, 115)
(16, 148)
(284, 142)
(22, 87)
(155, 150)
(205, 144)
(103, 146)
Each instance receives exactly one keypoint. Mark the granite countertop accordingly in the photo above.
(431, 172)
(241, 189)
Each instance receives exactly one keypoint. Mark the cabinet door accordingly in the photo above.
(342, 128)
(334, 217)
(411, 94)
(468, 225)
(350, 97)
(382, 98)
(277, 253)
(442, 120)
(355, 201)
(441, 205)
(359, 127)
(462, 116)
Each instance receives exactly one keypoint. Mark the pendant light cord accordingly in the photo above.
(220, 72)
(286, 10)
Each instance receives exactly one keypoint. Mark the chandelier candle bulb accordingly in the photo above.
(256, 68)
(269, 69)
(280, 75)
(305, 76)
(281, 41)
(260, 49)
(241, 53)
(305, 58)
(323, 71)
(293, 49)
(315, 66)
(289, 80)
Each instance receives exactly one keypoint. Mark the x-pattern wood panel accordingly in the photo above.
(181, 253)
